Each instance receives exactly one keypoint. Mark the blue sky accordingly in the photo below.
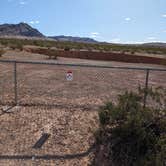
(118, 21)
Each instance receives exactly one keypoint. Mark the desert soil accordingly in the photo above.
(67, 110)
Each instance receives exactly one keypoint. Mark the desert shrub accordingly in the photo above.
(66, 49)
(133, 52)
(131, 134)
(2, 52)
(12, 46)
(93, 46)
(51, 53)
(15, 46)
(19, 47)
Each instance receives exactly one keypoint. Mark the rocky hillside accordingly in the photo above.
(73, 39)
(21, 29)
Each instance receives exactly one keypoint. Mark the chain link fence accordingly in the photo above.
(36, 83)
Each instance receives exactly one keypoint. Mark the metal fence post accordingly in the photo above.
(146, 87)
(15, 83)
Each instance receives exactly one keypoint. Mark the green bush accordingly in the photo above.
(131, 134)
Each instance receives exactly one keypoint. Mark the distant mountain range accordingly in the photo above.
(22, 30)
(25, 30)
(156, 44)
(73, 39)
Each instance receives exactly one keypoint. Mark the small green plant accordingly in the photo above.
(131, 134)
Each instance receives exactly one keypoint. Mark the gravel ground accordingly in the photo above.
(71, 135)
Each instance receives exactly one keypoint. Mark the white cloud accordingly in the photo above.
(31, 22)
(151, 38)
(132, 42)
(127, 19)
(115, 40)
(34, 22)
(164, 15)
(37, 22)
(155, 41)
(94, 34)
(22, 2)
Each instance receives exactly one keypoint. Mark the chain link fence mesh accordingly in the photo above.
(47, 85)
(6, 84)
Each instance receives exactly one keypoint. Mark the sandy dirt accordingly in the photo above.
(71, 135)
(65, 109)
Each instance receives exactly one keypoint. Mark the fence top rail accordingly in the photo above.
(82, 65)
